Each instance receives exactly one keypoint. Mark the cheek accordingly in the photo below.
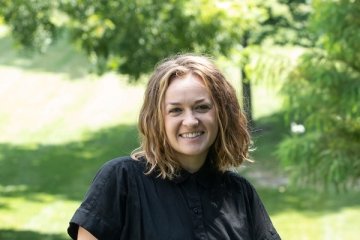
(169, 126)
(166, 125)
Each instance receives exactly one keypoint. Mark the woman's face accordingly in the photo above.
(190, 118)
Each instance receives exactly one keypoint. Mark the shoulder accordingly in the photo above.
(116, 174)
(125, 163)
(238, 183)
(235, 178)
(120, 168)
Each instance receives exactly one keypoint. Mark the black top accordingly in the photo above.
(125, 204)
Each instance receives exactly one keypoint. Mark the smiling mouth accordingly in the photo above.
(191, 134)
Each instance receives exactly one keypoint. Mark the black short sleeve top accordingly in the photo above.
(124, 203)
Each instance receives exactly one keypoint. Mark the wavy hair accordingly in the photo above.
(231, 146)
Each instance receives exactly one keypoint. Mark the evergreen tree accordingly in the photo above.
(323, 93)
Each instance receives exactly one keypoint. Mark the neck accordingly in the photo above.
(192, 164)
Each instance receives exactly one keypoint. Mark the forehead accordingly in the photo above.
(188, 87)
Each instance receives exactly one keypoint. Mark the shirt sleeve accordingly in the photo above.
(101, 212)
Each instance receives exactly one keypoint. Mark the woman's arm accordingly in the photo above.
(83, 234)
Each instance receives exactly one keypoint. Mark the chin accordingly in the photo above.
(193, 153)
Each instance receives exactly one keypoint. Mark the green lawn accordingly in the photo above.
(298, 213)
(59, 124)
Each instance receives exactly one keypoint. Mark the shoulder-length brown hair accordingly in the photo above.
(231, 145)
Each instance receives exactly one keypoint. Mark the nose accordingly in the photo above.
(190, 120)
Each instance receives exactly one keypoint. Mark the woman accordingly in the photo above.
(177, 184)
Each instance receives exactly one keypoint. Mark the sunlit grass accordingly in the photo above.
(52, 115)
(317, 222)
(32, 211)
(297, 226)
(53, 98)
(46, 108)
(301, 213)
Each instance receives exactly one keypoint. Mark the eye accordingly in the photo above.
(203, 108)
(175, 110)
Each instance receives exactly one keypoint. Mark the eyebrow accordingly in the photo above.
(177, 103)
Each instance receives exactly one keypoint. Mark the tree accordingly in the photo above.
(323, 93)
(127, 36)
(265, 25)
(31, 21)
(132, 36)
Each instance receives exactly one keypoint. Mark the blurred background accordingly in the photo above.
(72, 76)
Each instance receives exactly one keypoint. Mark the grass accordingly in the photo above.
(306, 214)
(298, 213)
(59, 124)
(44, 183)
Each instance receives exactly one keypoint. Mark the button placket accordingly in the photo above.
(194, 201)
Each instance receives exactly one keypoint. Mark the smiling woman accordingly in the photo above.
(177, 185)
(190, 120)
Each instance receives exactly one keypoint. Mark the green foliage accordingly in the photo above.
(324, 93)
(131, 36)
(31, 21)
(128, 36)
(337, 23)
(283, 23)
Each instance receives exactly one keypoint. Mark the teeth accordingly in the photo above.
(191, 135)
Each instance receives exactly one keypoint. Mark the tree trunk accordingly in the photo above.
(246, 87)
(247, 98)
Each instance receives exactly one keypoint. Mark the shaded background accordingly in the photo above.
(72, 76)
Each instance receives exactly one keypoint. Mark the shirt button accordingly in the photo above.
(196, 210)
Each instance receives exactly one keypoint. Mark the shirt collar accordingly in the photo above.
(206, 176)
